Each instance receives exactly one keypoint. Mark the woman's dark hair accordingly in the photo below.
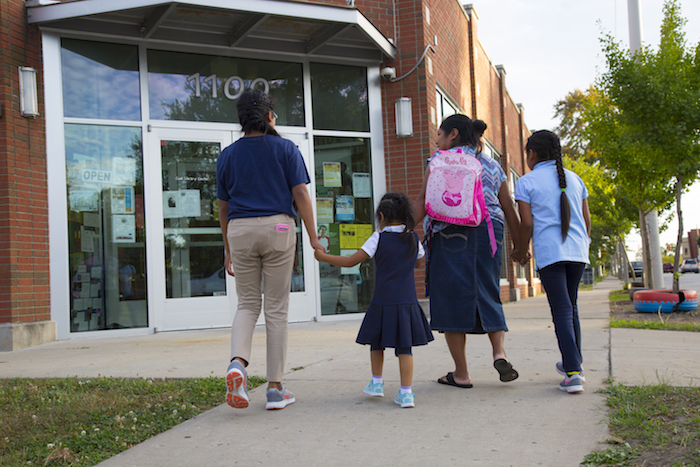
(479, 128)
(465, 126)
(547, 147)
(253, 107)
(396, 208)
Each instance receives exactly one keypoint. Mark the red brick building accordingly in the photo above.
(108, 219)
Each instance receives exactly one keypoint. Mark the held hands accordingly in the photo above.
(521, 257)
(320, 253)
(316, 245)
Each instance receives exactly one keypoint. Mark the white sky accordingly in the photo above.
(551, 47)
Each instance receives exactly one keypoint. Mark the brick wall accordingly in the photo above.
(24, 249)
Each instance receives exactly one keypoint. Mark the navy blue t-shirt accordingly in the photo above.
(255, 175)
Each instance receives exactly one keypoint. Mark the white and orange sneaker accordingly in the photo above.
(279, 399)
(237, 386)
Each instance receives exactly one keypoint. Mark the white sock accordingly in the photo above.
(377, 379)
(405, 390)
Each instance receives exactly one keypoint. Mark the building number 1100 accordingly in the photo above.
(231, 91)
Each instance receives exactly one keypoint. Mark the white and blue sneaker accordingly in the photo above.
(279, 399)
(560, 370)
(374, 390)
(405, 400)
(237, 386)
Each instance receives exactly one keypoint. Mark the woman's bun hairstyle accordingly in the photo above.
(479, 127)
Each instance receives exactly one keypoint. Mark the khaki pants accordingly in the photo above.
(262, 247)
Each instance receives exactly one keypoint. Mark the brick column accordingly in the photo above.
(25, 315)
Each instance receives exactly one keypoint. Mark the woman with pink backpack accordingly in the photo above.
(463, 262)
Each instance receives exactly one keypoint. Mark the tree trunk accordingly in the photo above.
(679, 241)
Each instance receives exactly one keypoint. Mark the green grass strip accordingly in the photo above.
(81, 422)
(657, 422)
(643, 324)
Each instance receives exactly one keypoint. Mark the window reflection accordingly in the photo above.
(345, 216)
(339, 94)
(196, 87)
(106, 228)
(193, 243)
(100, 80)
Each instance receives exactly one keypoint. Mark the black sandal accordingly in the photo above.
(505, 369)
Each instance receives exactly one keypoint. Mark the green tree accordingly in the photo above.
(645, 120)
(613, 214)
(570, 129)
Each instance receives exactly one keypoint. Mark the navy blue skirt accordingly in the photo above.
(394, 326)
(465, 291)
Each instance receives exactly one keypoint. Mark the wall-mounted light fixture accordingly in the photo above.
(404, 117)
(28, 98)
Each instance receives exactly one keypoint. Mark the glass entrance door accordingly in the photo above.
(191, 289)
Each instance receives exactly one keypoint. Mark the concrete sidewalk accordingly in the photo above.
(523, 423)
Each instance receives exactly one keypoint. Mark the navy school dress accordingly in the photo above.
(394, 318)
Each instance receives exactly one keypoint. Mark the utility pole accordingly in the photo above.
(654, 277)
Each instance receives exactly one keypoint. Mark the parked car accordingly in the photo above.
(213, 285)
(668, 267)
(638, 269)
(690, 265)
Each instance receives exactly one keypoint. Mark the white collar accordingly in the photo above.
(394, 228)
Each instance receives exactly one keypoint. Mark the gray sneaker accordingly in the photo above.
(560, 370)
(572, 384)
(237, 386)
(277, 399)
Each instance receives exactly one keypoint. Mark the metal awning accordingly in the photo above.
(280, 26)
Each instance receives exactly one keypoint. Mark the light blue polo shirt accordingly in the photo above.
(540, 189)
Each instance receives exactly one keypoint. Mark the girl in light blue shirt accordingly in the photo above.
(554, 213)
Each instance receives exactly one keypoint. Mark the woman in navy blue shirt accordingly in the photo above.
(258, 179)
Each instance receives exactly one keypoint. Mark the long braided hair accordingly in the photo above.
(545, 144)
(253, 107)
(396, 209)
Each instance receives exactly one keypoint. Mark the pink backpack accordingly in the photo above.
(454, 193)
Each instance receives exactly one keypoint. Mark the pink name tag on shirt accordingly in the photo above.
(282, 228)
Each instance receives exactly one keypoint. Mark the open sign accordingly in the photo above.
(96, 176)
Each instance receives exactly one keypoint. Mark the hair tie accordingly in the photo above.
(563, 190)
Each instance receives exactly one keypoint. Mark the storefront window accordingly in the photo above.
(106, 227)
(339, 94)
(100, 80)
(206, 88)
(345, 214)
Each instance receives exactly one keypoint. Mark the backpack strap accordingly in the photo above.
(482, 203)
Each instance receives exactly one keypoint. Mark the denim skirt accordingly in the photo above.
(465, 280)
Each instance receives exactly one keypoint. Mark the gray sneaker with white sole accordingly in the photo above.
(277, 399)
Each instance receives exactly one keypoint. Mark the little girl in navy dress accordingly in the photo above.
(394, 318)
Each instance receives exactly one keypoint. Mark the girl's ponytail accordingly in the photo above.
(545, 144)
(564, 200)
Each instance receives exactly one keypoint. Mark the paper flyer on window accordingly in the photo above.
(324, 210)
(344, 208)
(331, 174)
